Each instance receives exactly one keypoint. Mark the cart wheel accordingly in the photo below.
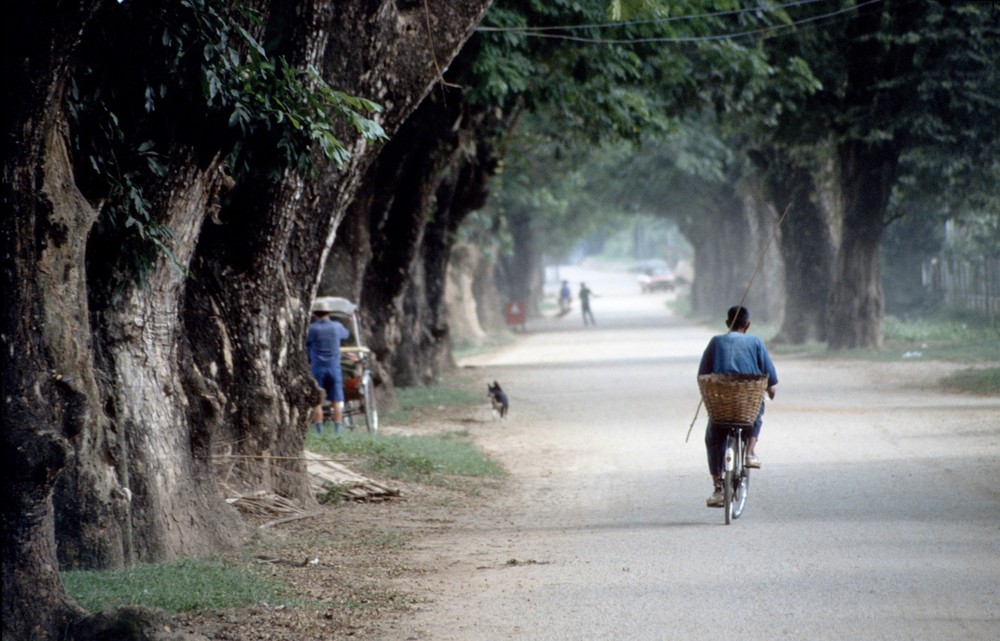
(368, 401)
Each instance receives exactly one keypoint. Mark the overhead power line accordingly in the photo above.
(769, 31)
(663, 20)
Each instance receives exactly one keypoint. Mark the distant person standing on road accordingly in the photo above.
(735, 353)
(584, 296)
(565, 298)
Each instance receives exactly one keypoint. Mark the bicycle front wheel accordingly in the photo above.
(371, 409)
(728, 485)
(740, 477)
(741, 488)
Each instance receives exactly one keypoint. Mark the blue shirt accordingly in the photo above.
(323, 343)
(736, 353)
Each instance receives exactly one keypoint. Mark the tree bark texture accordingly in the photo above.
(806, 246)
(856, 307)
(879, 52)
(464, 266)
(41, 404)
(438, 173)
(521, 275)
(119, 404)
(461, 189)
(728, 238)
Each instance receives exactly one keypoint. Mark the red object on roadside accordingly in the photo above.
(514, 312)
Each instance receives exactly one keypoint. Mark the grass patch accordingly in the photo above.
(491, 343)
(415, 398)
(428, 459)
(413, 401)
(985, 381)
(178, 586)
(942, 337)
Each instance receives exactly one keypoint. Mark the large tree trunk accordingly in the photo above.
(44, 400)
(134, 393)
(396, 222)
(489, 301)
(142, 473)
(520, 276)
(766, 295)
(806, 246)
(856, 309)
(879, 53)
(461, 189)
(460, 294)
(722, 262)
(729, 231)
(438, 175)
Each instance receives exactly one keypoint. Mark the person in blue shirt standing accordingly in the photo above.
(735, 353)
(565, 298)
(323, 346)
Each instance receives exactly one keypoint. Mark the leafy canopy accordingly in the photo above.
(164, 82)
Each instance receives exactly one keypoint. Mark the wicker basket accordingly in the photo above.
(732, 398)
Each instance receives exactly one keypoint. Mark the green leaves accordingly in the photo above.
(158, 81)
(273, 99)
(299, 108)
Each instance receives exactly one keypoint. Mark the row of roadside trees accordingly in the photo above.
(854, 118)
(183, 177)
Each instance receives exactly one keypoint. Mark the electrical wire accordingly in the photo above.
(770, 31)
(668, 19)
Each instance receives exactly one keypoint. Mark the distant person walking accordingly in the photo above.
(584, 296)
(565, 298)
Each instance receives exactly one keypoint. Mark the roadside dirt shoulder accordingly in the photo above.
(349, 564)
(366, 569)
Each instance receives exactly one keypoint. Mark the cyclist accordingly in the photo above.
(735, 352)
(565, 298)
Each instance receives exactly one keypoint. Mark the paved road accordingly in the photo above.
(876, 514)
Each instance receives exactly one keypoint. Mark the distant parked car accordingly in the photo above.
(661, 280)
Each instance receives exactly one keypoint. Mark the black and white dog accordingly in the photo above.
(498, 398)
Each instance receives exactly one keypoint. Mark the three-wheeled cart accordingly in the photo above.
(356, 364)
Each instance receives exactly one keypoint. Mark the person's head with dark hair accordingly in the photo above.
(738, 318)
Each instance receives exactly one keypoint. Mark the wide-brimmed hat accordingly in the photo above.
(334, 305)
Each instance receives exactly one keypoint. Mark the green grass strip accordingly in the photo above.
(177, 586)
(985, 380)
(412, 398)
(413, 458)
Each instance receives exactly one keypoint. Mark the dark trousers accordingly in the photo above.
(715, 443)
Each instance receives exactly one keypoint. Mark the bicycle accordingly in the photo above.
(733, 402)
(356, 365)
